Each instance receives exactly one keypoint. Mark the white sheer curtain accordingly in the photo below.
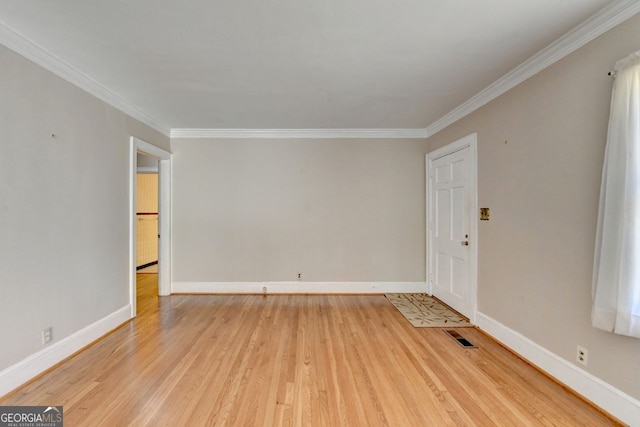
(616, 274)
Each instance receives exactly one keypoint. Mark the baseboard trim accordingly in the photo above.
(614, 401)
(33, 365)
(297, 287)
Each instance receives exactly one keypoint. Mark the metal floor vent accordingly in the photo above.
(460, 339)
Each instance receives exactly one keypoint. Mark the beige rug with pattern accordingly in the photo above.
(424, 311)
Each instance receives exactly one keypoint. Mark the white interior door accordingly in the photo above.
(452, 242)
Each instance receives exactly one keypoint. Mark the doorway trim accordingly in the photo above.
(136, 146)
(470, 141)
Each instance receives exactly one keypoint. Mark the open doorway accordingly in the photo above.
(149, 160)
(147, 215)
(146, 233)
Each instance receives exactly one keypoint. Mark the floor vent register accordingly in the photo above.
(460, 339)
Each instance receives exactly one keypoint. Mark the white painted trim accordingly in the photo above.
(164, 226)
(470, 141)
(36, 363)
(427, 225)
(608, 17)
(26, 47)
(164, 216)
(299, 133)
(297, 287)
(602, 394)
(133, 179)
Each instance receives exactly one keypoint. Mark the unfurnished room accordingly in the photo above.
(331, 213)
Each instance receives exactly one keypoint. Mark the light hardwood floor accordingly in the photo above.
(297, 361)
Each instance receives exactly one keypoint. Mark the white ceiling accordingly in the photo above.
(295, 64)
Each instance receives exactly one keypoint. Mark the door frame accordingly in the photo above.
(470, 141)
(136, 146)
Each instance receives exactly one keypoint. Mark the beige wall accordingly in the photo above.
(64, 229)
(264, 210)
(540, 153)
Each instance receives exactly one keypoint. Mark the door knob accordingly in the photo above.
(465, 243)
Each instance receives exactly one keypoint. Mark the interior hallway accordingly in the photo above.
(295, 360)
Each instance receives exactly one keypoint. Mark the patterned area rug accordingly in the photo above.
(424, 311)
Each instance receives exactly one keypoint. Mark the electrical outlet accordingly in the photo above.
(299, 276)
(46, 335)
(582, 356)
(264, 290)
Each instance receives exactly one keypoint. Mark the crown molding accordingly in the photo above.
(38, 54)
(299, 133)
(605, 19)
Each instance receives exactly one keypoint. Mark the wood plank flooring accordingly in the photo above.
(295, 360)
